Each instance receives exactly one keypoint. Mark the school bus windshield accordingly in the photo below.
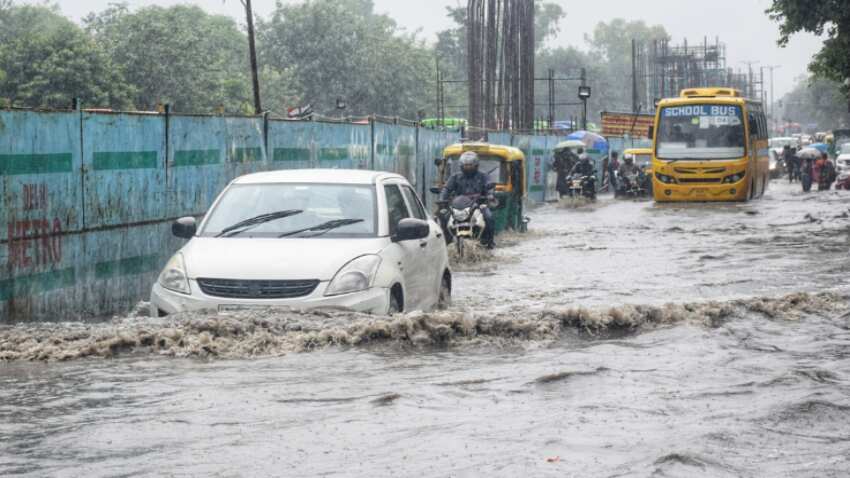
(700, 132)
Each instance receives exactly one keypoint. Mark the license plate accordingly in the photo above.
(700, 192)
(233, 308)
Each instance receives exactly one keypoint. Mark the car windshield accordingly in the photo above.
(319, 203)
(492, 166)
(702, 132)
(845, 148)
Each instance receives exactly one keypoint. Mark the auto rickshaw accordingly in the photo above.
(643, 160)
(505, 167)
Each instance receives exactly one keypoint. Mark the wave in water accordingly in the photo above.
(269, 332)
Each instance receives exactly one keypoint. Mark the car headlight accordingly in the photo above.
(460, 214)
(173, 277)
(665, 179)
(734, 178)
(357, 275)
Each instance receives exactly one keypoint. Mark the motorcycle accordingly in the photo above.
(632, 186)
(582, 186)
(465, 221)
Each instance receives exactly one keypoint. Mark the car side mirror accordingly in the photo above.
(491, 186)
(651, 132)
(184, 228)
(435, 190)
(411, 229)
(438, 162)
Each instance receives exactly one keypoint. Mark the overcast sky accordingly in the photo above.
(741, 24)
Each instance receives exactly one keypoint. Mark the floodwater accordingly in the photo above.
(620, 339)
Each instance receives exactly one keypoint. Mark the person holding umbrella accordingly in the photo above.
(824, 172)
(807, 157)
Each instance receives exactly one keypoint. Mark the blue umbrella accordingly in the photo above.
(822, 147)
(591, 141)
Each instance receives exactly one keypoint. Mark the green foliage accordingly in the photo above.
(47, 60)
(816, 100)
(611, 47)
(178, 55)
(342, 48)
(829, 17)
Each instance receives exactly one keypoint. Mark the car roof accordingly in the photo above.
(333, 176)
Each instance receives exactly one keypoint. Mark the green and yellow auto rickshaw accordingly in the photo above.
(505, 167)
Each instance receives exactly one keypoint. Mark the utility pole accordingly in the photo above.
(772, 97)
(750, 88)
(634, 77)
(258, 108)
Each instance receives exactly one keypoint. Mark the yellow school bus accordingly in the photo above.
(709, 144)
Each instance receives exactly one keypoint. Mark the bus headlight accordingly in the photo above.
(665, 179)
(734, 178)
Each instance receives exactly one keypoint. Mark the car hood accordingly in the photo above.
(274, 259)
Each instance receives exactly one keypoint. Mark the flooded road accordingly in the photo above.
(618, 339)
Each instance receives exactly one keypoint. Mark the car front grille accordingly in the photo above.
(257, 289)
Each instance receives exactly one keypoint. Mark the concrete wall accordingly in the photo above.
(87, 198)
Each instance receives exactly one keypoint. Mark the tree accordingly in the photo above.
(611, 45)
(830, 17)
(343, 49)
(178, 55)
(818, 101)
(46, 61)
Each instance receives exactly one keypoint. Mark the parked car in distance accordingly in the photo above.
(305, 239)
(842, 166)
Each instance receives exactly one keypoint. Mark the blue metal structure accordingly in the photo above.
(88, 197)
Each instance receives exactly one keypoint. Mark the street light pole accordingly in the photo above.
(258, 109)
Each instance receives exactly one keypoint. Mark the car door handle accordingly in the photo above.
(439, 235)
(423, 244)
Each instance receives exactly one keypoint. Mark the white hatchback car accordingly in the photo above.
(343, 239)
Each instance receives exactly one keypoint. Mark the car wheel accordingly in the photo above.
(395, 304)
(444, 299)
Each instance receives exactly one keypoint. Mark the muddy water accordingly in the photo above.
(618, 339)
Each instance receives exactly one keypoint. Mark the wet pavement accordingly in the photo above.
(618, 339)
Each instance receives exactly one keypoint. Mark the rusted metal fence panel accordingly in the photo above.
(429, 146)
(41, 199)
(499, 138)
(395, 149)
(341, 146)
(120, 265)
(124, 161)
(244, 147)
(290, 144)
(195, 168)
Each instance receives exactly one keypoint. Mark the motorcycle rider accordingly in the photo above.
(470, 182)
(626, 171)
(584, 167)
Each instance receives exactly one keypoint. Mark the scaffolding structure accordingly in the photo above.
(662, 70)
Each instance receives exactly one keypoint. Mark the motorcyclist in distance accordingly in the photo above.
(471, 182)
(626, 171)
(584, 167)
